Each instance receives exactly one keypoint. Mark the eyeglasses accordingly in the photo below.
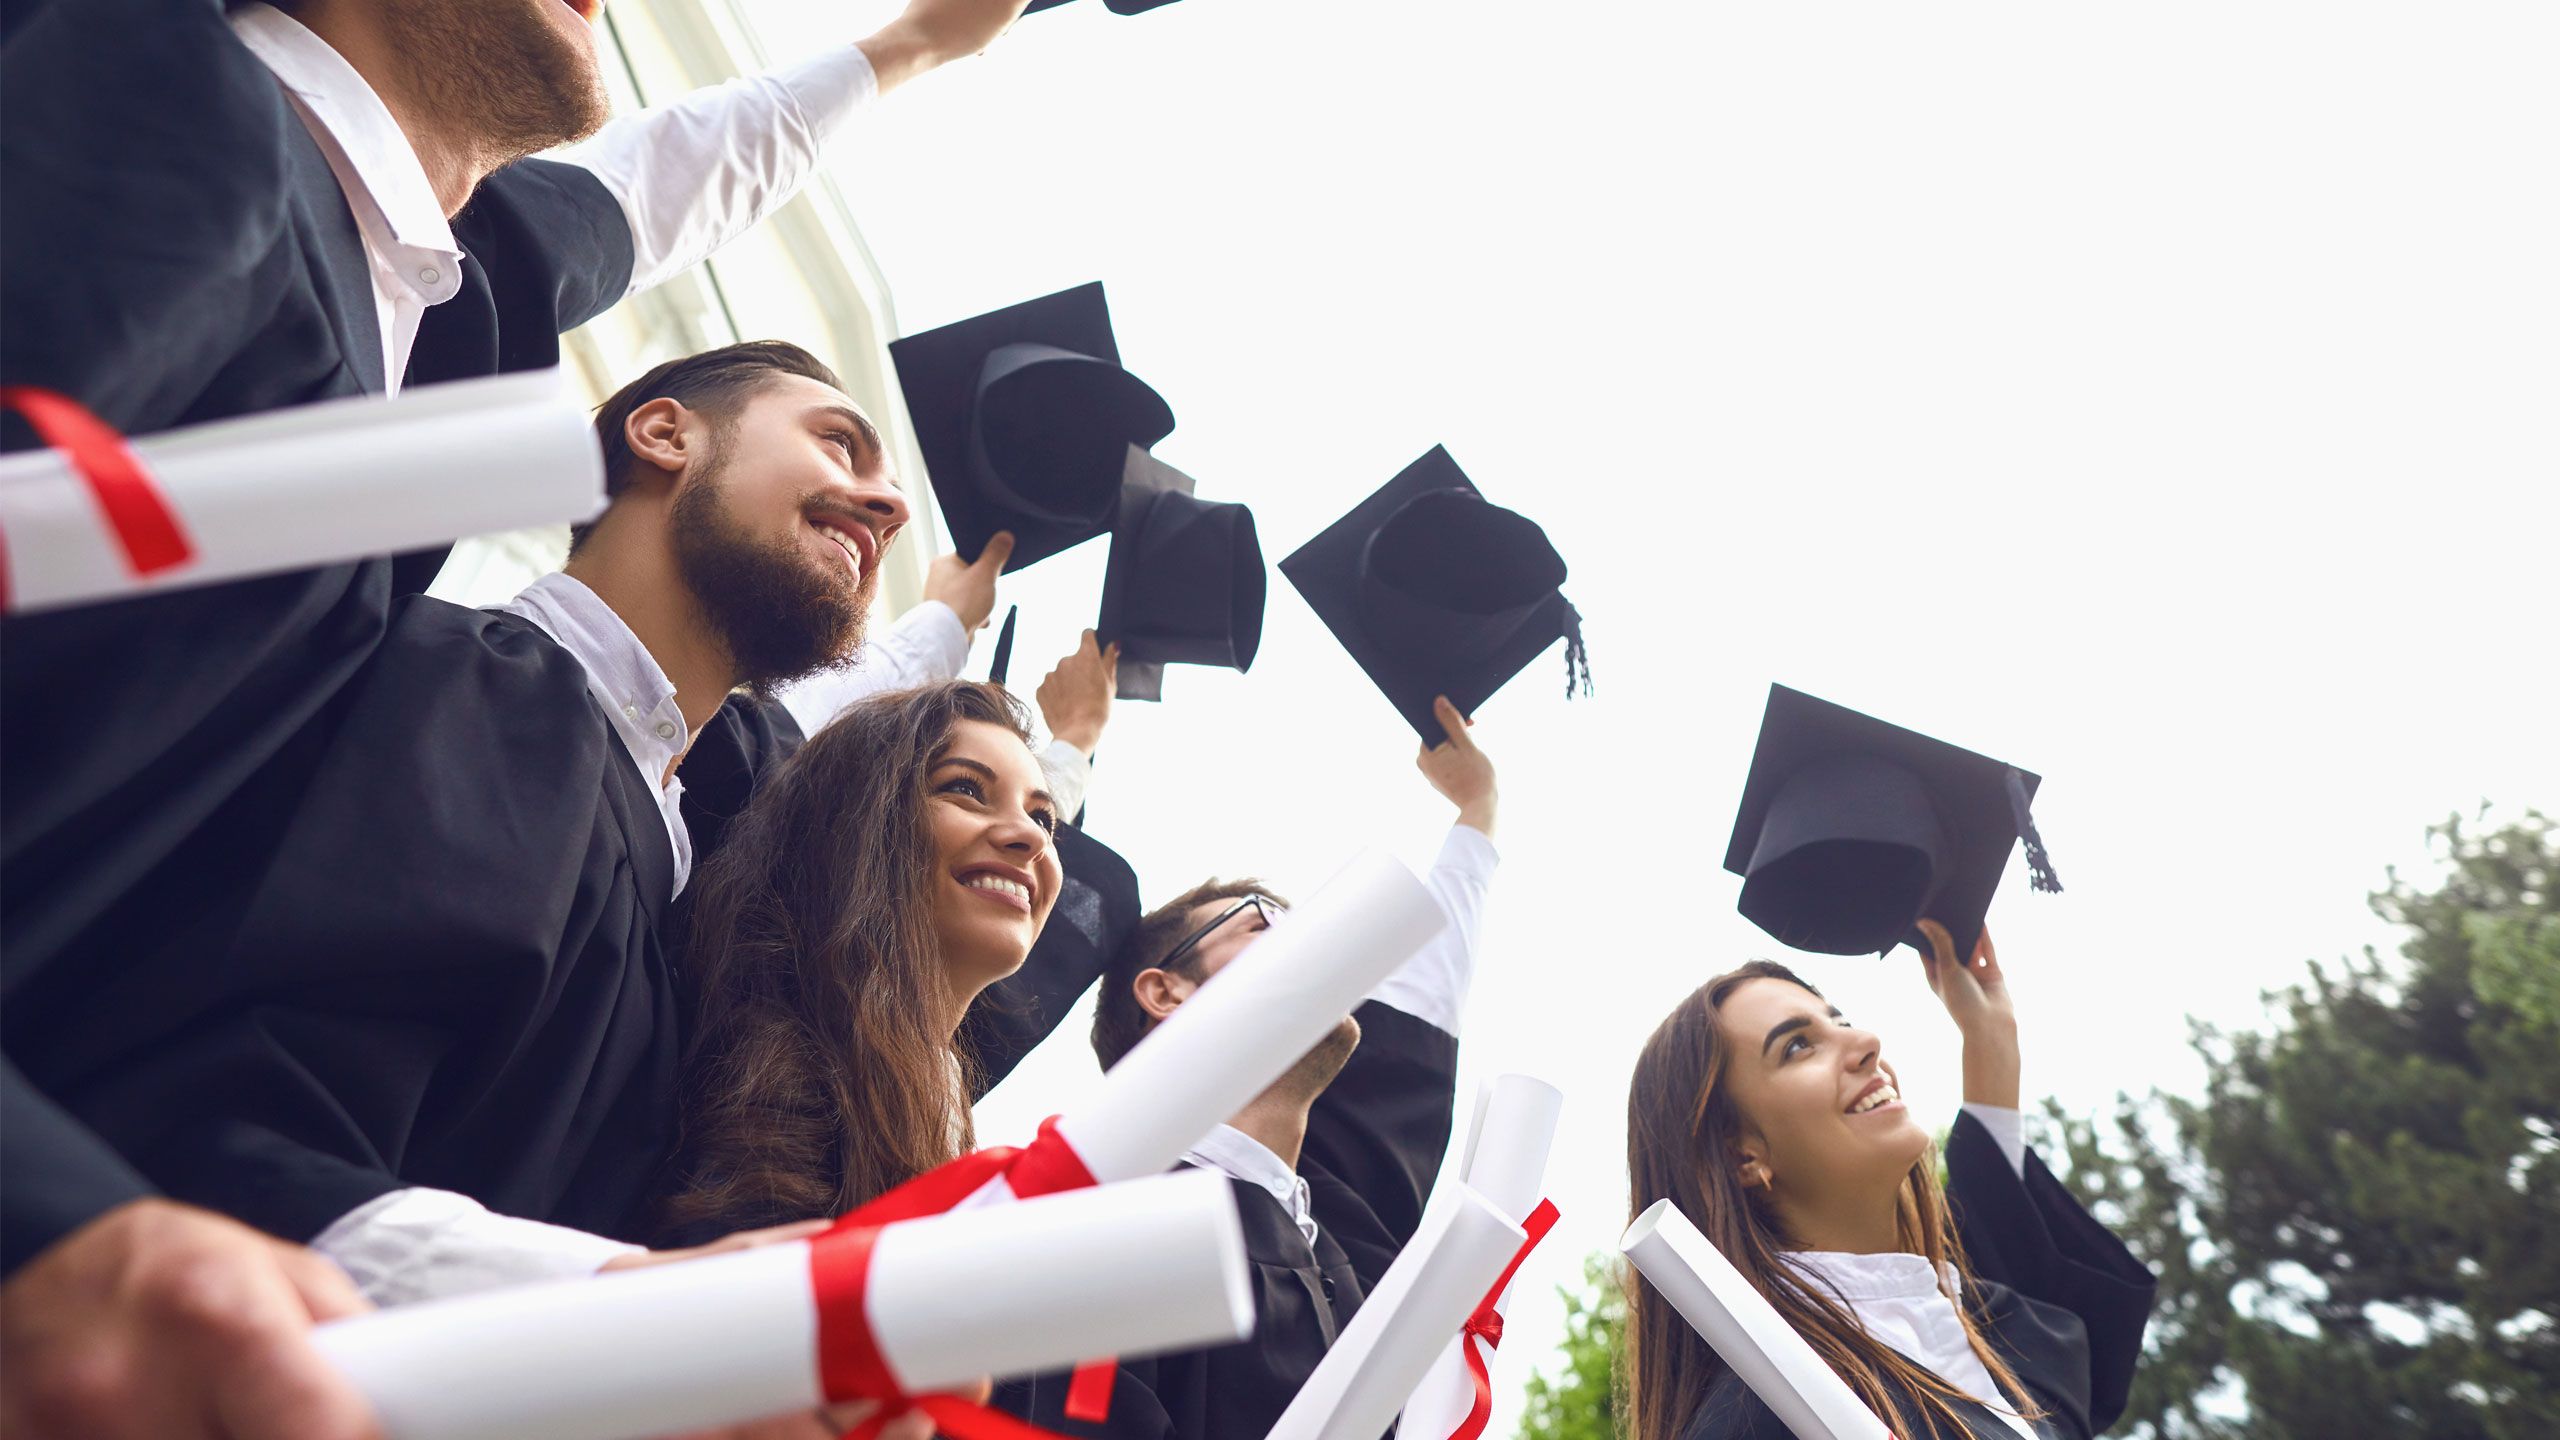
(1268, 910)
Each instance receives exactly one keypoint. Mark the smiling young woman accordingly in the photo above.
(1993, 1308)
(897, 865)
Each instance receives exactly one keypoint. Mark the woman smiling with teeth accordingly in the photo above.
(900, 863)
(1775, 1124)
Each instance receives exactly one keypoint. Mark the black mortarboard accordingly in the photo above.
(1118, 7)
(1437, 591)
(1852, 830)
(1023, 416)
(1184, 585)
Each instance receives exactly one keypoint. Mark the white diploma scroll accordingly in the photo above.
(1505, 1161)
(1400, 1328)
(1254, 1019)
(313, 485)
(1806, 1395)
(1136, 1269)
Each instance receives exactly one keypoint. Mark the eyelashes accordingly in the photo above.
(1047, 820)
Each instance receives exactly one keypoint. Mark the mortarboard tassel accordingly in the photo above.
(2039, 864)
(1577, 659)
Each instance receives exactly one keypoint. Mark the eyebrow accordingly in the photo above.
(860, 422)
(1789, 1027)
(966, 763)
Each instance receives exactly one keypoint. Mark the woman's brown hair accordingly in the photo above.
(821, 1072)
(1683, 1135)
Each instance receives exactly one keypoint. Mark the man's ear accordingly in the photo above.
(657, 437)
(1161, 992)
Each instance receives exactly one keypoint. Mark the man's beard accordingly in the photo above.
(781, 616)
(497, 79)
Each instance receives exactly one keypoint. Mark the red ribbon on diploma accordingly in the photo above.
(140, 519)
(1486, 1326)
(850, 1366)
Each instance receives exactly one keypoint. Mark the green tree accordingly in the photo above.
(1580, 1402)
(2358, 1224)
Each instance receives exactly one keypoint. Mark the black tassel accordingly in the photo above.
(1577, 659)
(2039, 864)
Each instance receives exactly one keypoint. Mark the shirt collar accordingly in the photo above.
(1894, 1275)
(387, 189)
(1239, 1156)
(638, 698)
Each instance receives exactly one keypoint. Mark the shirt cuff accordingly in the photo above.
(1070, 777)
(1433, 985)
(829, 90)
(932, 640)
(2008, 1130)
(421, 1244)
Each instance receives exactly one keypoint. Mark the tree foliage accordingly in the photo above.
(2358, 1224)
(1580, 1401)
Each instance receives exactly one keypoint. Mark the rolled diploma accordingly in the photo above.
(1424, 1297)
(313, 485)
(1243, 1030)
(1806, 1395)
(1506, 1162)
(1137, 1269)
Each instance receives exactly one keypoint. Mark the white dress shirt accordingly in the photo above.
(1431, 986)
(1900, 1301)
(407, 244)
(924, 645)
(1239, 1156)
(638, 698)
(690, 175)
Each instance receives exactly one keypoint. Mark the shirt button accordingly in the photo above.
(430, 275)
(631, 712)
(666, 730)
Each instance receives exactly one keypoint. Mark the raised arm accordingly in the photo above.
(700, 170)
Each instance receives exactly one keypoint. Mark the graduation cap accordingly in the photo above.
(1024, 415)
(1852, 830)
(1117, 7)
(1184, 585)
(1437, 591)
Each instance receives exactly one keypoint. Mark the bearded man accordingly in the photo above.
(212, 209)
(403, 995)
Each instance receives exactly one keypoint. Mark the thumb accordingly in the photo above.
(999, 550)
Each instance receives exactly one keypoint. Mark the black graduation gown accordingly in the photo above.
(2062, 1301)
(217, 273)
(1373, 1147)
(419, 946)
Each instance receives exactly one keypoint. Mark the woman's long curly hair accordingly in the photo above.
(821, 1071)
(1683, 1132)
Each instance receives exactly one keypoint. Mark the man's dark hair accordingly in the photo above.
(1119, 1021)
(715, 382)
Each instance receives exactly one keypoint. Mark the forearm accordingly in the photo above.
(1991, 1066)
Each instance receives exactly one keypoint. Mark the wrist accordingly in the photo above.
(1479, 813)
(1086, 738)
(898, 53)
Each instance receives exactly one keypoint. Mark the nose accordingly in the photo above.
(1018, 835)
(1865, 1049)
(876, 495)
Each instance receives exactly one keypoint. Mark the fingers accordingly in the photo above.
(1453, 723)
(999, 550)
(326, 1291)
(291, 1392)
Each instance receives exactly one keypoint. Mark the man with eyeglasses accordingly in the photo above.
(1332, 1164)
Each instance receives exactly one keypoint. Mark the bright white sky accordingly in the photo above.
(2164, 398)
